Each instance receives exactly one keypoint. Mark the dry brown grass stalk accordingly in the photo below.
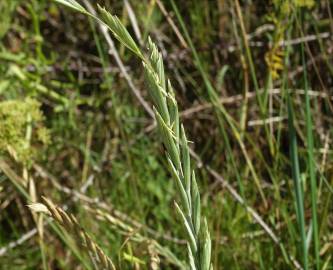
(72, 226)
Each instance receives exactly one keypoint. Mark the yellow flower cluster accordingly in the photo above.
(279, 18)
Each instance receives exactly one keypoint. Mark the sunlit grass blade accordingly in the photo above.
(72, 4)
(119, 31)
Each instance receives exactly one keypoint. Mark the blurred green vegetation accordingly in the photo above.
(71, 126)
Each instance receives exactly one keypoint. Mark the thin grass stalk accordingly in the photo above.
(220, 110)
(284, 98)
(262, 101)
(311, 159)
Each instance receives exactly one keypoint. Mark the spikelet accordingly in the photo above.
(177, 150)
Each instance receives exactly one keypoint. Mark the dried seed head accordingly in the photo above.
(39, 208)
(72, 226)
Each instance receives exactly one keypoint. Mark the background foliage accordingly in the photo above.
(253, 83)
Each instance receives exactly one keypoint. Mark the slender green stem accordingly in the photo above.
(297, 181)
(310, 154)
(262, 101)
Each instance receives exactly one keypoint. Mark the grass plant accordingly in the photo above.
(229, 99)
(173, 137)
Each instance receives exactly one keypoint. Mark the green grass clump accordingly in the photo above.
(20, 121)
